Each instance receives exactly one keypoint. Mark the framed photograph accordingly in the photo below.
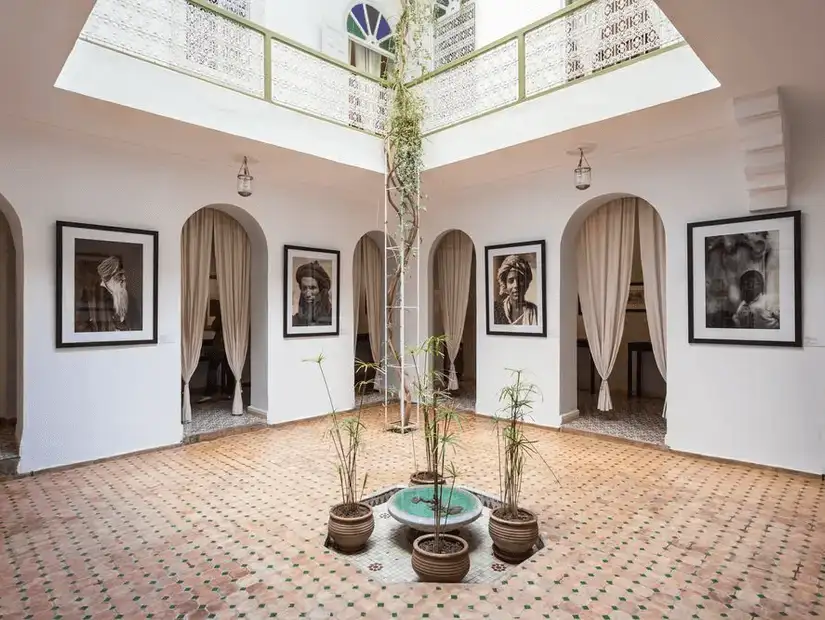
(107, 285)
(636, 297)
(515, 287)
(312, 292)
(745, 280)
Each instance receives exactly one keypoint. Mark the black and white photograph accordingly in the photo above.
(106, 285)
(636, 297)
(515, 285)
(745, 280)
(311, 291)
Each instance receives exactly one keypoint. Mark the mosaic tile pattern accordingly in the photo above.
(216, 415)
(8, 442)
(235, 528)
(638, 419)
(387, 556)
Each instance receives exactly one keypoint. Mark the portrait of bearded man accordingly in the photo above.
(314, 305)
(109, 306)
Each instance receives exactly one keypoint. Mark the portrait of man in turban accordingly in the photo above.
(514, 277)
(314, 306)
(106, 304)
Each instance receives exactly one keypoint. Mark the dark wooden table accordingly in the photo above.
(582, 343)
(635, 349)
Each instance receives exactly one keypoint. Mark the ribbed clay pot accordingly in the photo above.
(513, 539)
(422, 478)
(441, 567)
(350, 534)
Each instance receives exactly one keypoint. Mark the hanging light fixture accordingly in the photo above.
(581, 174)
(244, 180)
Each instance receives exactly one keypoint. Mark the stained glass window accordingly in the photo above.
(366, 23)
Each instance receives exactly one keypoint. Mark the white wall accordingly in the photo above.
(761, 405)
(498, 18)
(104, 74)
(630, 88)
(83, 404)
(755, 404)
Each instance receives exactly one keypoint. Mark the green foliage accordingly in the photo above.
(441, 423)
(513, 445)
(347, 435)
(404, 144)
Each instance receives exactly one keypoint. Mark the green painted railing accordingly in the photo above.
(201, 39)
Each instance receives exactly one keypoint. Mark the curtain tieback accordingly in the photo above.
(605, 402)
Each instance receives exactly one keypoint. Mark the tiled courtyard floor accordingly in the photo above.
(235, 528)
(637, 419)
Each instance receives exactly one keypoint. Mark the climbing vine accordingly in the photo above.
(404, 151)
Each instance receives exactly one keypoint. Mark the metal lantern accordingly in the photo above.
(244, 180)
(582, 172)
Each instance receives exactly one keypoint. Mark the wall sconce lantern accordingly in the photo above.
(581, 174)
(244, 180)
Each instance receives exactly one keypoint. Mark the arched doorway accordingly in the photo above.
(224, 335)
(453, 313)
(369, 274)
(11, 338)
(613, 352)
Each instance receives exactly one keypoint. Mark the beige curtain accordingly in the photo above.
(605, 259)
(370, 267)
(367, 60)
(653, 251)
(357, 290)
(233, 264)
(454, 260)
(195, 250)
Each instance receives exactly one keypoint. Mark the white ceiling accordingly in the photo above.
(749, 45)
(752, 45)
(44, 44)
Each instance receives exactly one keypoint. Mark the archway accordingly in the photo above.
(453, 313)
(612, 319)
(224, 306)
(11, 337)
(369, 274)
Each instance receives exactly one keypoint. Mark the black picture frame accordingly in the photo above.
(630, 307)
(524, 248)
(77, 323)
(789, 278)
(306, 254)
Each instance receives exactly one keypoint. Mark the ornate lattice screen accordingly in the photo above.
(455, 35)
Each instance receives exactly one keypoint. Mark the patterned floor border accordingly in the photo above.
(386, 558)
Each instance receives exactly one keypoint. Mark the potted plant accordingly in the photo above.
(514, 529)
(351, 522)
(439, 556)
(430, 400)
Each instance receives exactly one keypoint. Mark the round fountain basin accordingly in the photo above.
(413, 506)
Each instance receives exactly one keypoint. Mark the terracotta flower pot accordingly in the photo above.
(441, 567)
(350, 532)
(421, 478)
(513, 539)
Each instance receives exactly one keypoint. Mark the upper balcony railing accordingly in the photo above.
(198, 38)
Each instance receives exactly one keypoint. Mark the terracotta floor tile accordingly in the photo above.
(237, 526)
